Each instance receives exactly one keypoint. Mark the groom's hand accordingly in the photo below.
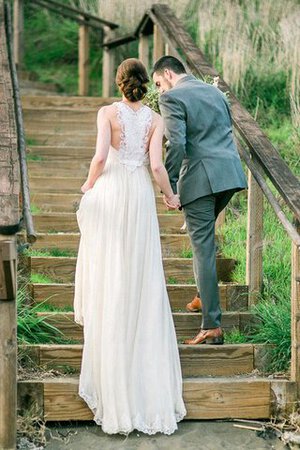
(172, 202)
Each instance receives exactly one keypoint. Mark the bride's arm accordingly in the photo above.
(102, 147)
(159, 171)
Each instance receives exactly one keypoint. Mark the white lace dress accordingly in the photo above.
(130, 374)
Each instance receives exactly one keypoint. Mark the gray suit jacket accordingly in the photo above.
(201, 156)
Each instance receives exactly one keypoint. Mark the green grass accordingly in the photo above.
(46, 307)
(57, 252)
(186, 253)
(235, 336)
(31, 141)
(41, 278)
(31, 157)
(35, 209)
(172, 280)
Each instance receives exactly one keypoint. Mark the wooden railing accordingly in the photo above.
(9, 225)
(263, 160)
(85, 21)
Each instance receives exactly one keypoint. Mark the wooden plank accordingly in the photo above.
(295, 314)
(83, 59)
(63, 139)
(18, 29)
(62, 269)
(268, 157)
(205, 398)
(186, 324)
(65, 103)
(61, 295)
(158, 43)
(144, 50)
(63, 153)
(67, 222)
(196, 361)
(254, 258)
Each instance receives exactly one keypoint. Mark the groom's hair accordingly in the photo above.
(168, 62)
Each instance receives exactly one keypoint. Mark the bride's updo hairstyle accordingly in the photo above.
(132, 79)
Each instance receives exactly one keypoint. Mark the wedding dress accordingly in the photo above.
(130, 373)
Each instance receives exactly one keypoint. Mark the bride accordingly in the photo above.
(130, 374)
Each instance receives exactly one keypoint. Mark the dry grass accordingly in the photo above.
(31, 427)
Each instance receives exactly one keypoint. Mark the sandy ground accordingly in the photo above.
(191, 435)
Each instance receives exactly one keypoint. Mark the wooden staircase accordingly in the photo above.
(219, 381)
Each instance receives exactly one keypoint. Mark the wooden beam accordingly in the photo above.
(254, 270)
(295, 313)
(108, 66)
(8, 344)
(144, 50)
(83, 60)
(18, 27)
(158, 43)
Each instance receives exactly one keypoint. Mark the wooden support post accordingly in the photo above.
(254, 271)
(83, 60)
(170, 50)
(108, 66)
(8, 344)
(144, 50)
(295, 314)
(158, 44)
(18, 28)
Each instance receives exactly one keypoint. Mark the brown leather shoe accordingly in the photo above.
(213, 336)
(195, 305)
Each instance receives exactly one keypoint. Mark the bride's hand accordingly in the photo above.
(172, 202)
(85, 187)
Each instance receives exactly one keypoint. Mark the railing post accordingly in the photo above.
(8, 344)
(295, 313)
(158, 43)
(108, 66)
(254, 270)
(144, 50)
(18, 28)
(83, 59)
(169, 50)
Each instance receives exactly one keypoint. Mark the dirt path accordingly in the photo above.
(191, 435)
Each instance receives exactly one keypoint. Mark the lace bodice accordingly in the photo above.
(135, 127)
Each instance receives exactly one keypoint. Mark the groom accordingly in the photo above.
(204, 170)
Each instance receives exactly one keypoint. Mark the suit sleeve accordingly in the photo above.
(175, 131)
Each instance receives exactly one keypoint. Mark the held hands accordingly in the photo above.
(172, 202)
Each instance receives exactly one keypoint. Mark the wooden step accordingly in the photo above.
(65, 103)
(205, 398)
(62, 269)
(172, 244)
(43, 116)
(41, 137)
(196, 361)
(53, 202)
(186, 324)
(50, 126)
(61, 153)
(67, 223)
(233, 297)
(58, 168)
(62, 185)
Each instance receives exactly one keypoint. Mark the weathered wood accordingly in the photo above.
(108, 66)
(83, 60)
(196, 361)
(205, 398)
(8, 343)
(269, 159)
(186, 324)
(18, 27)
(67, 222)
(74, 104)
(158, 43)
(144, 50)
(232, 297)
(295, 313)
(62, 269)
(254, 268)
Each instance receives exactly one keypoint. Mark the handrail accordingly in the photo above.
(31, 234)
(267, 158)
(76, 14)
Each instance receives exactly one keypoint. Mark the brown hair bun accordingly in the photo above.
(132, 79)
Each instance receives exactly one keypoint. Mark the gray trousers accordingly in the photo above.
(200, 216)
